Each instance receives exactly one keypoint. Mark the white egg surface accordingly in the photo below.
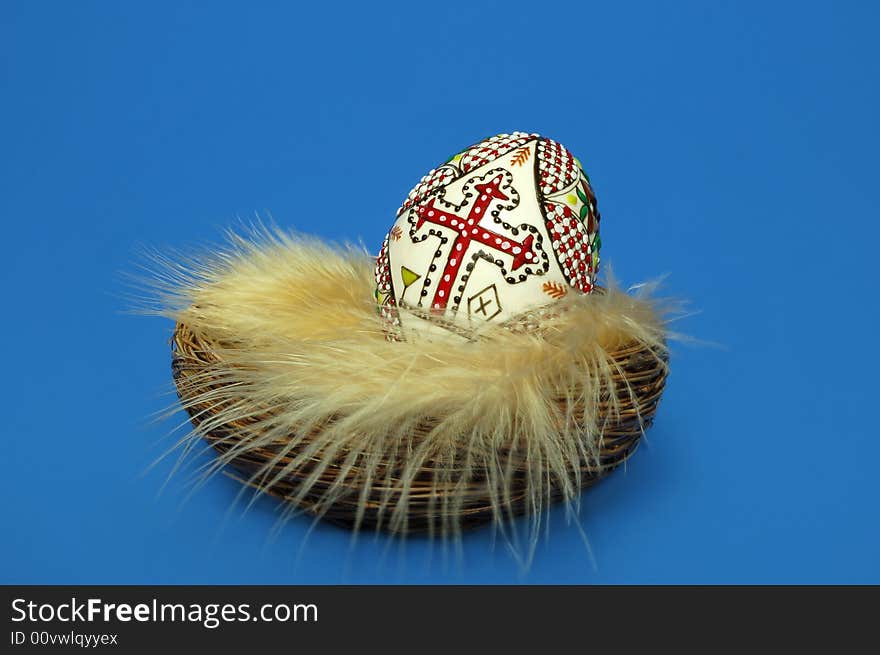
(505, 226)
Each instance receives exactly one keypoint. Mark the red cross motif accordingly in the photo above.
(468, 230)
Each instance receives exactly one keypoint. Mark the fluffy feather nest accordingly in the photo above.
(298, 341)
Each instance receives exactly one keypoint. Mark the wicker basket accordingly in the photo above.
(639, 383)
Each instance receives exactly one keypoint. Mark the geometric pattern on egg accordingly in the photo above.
(506, 225)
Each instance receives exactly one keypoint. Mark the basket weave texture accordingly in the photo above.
(639, 380)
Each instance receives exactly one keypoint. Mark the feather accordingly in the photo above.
(303, 359)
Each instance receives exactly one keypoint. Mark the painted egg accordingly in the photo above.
(503, 227)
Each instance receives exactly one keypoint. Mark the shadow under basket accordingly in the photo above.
(639, 379)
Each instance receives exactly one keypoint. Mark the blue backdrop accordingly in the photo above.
(731, 145)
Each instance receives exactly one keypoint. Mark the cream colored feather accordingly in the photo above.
(294, 322)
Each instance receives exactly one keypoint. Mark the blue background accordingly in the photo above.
(732, 145)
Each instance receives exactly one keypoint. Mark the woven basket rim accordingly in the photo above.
(647, 377)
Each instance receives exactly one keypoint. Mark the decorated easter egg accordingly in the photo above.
(503, 227)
